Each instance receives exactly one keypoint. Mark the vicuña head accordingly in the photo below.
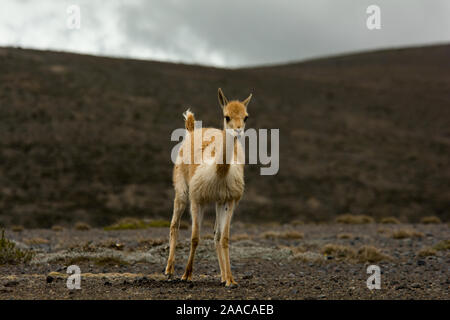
(208, 181)
(234, 113)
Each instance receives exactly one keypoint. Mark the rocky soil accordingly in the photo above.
(268, 262)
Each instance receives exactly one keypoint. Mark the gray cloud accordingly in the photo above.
(232, 33)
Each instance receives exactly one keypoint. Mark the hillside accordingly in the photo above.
(87, 138)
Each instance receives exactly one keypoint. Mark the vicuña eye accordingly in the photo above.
(227, 118)
(245, 119)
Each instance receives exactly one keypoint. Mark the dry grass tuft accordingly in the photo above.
(17, 228)
(406, 233)
(9, 254)
(382, 230)
(36, 240)
(344, 236)
(57, 228)
(425, 252)
(308, 256)
(430, 220)
(390, 220)
(148, 243)
(287, 235)
(364, 254)
(371, 254)
(134, 223)
(338, 251)
(240, 237)
(442, 245)
(354, 219)
(82, 226)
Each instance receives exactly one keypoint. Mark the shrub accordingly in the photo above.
(390, 220)
(9, 254)
(425, 252)
(430, 220)
(354, 219)
(82, 226)
(406, 233)
(134, 223)
(442, 245)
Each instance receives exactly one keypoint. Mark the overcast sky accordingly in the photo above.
(222, 33)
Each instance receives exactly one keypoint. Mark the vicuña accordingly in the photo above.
(216, 179)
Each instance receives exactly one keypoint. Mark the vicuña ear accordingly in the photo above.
(246, 101)
(223, 101)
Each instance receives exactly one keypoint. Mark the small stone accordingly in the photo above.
(12, 283)
(317, 287)
(294, 291)
(421, 262)
(322, 296)
(415, 285)
(50, 279)
(330, 257)
(107, 283)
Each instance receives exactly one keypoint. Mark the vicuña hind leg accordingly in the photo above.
(217, 236)
(225, 215)
(197, 217)
(179, 205)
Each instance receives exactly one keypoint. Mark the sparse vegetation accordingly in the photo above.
(10, 254)
(297, 223)
(57, 228)
(364, 253)
(425, 252)
(338, 251)
(17, 228)
(99, 261)
(354, 219)
(134, 223)
(371, 254)
(382, 230)
(406, 233)
(308, 256)
(208, 236)
(36, 241)
(430, 220)
(82, 226)
(442, 245)
(390, 220)
(240, 237)
(287, 235)
(148, 243)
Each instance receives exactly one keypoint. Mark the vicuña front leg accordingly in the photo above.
(197, 217)
(225, 216)
(179, 205)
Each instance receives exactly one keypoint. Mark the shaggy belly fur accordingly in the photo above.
(205, 186)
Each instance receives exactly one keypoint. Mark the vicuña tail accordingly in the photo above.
(189, 120)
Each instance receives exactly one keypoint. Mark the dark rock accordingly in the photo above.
(50, 279)
(248, 275)
(11, 283)
(421, 262)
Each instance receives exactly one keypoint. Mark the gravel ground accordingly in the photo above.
(268, 262)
